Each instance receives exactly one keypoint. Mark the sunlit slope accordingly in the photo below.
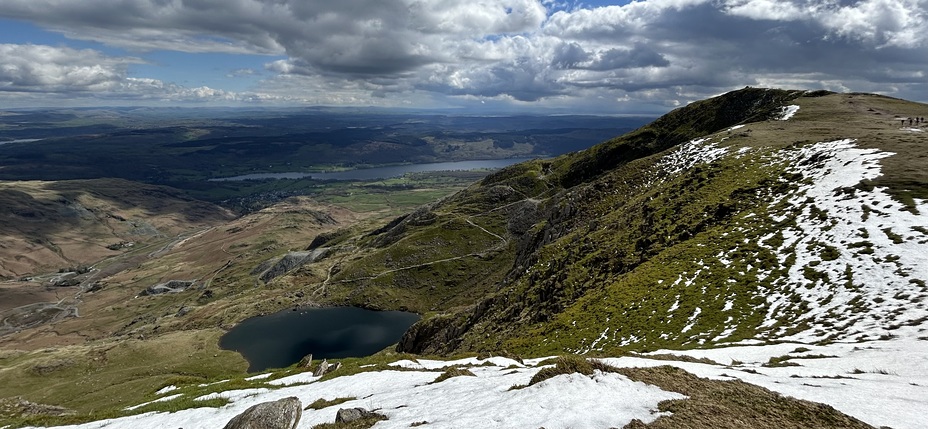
(46, 226)
(734, 218)
(457, 251)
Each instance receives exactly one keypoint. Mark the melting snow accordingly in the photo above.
(259, 376)
(787, 112)
(164, 399)
(305, 377)
(692, 320)
(866, 233)
(407, 397)
(884, 383)
(166, 389)
(694, 152)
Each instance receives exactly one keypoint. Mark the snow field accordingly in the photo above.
(406, 397)
(884, 383)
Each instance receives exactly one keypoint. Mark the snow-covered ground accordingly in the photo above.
(884, 383)
(867, 249)
(409, 396)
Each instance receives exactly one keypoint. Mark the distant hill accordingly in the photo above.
(67, 224)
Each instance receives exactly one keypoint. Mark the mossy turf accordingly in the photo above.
(731, 404)
(99, 381)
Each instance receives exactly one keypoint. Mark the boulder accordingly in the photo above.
(348, 415)
(325, 367)
(281, 414)
(321, 369)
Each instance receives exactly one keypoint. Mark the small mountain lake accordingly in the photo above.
(282, 339)
(381, 172)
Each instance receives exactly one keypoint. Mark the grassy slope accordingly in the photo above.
(609, 265)
(51, 225)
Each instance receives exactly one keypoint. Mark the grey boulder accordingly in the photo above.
(280, 414)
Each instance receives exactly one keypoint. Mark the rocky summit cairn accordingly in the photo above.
(280, 414)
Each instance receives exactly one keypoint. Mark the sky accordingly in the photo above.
(608, 57)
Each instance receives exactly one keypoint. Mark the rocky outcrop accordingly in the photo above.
(394, 230)
(280, 414)
(289, 262)
(19, 407)
(306, 361)
(170, 286)
(325, 367)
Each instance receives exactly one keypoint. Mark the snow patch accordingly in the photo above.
(166, 389)
(259, 376)
(787, 112)
(164, 399)
(301, 378)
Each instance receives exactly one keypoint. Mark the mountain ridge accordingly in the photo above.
(574, 228)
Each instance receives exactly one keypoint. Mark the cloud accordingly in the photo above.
(529, 52)
(242, 72)
(38, 68)
(62, 73)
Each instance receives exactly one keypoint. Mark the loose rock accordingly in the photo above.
(348, 415)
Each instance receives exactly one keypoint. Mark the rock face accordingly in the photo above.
(170, 286)
(289, 262)
(281, 414)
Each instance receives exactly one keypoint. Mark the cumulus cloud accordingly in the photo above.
(31, 68)
(663, 52)
(66, 73)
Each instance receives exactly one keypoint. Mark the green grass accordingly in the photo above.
(570, 365)
(99, 381)
(321, 403)
(453, 372)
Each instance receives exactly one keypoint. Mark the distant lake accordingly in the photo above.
(382, 172)
(19, 141)
(282, 339)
